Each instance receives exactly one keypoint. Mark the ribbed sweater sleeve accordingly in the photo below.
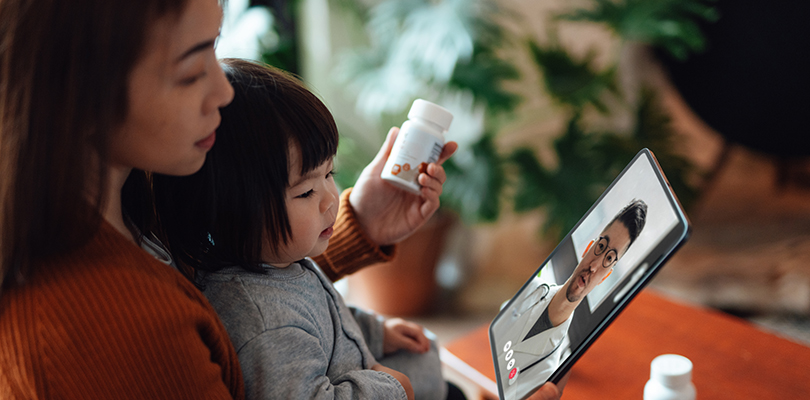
(349, 248)
(108, 321)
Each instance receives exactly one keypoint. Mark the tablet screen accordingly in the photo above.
(611, 253)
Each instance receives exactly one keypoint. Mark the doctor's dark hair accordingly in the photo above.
(226, 212)
(64, 72)
(633, 216)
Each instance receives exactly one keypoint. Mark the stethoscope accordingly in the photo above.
(532, 299)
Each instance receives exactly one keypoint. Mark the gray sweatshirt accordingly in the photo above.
(295, 337)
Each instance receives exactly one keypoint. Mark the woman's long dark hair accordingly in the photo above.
(223, 214)
(64, 70)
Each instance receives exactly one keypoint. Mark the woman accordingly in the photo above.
(91, 90)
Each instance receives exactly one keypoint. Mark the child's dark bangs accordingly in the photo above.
(318, 140)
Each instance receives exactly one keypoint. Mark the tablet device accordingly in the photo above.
(612, 252)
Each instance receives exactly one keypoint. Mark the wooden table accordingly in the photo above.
(732, 358)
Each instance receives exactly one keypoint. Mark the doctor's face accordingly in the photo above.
(598, 261)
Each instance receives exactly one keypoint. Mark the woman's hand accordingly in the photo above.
(400, 334)
(550, 391)
(388, 214)
(546, 392)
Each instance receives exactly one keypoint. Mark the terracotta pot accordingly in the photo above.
(407, 285)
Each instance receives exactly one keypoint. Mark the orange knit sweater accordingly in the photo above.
(108, 321)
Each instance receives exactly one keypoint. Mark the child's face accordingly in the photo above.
(312, 205)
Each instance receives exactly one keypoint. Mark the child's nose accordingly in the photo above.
(329, 201)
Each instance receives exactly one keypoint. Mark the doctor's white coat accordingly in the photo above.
(541, 353)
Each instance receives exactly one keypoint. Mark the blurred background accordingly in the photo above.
(551, 99)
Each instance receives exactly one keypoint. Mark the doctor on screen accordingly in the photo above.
(538, 336)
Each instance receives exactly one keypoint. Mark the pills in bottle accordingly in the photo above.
(670, 379)
(419, 143)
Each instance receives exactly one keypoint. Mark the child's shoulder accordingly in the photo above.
(292, 296)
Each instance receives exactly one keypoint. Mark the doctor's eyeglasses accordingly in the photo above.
(601, 247)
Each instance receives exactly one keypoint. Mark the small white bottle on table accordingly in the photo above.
(670, 379)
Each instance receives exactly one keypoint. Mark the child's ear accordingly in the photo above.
(606, 276)
(588, 247)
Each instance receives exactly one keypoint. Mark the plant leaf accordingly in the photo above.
(568, 190)
(573, 82)
(671, 24)
(483, 76)
(474, 192)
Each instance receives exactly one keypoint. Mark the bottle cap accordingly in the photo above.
(431, 112)
(671, 370)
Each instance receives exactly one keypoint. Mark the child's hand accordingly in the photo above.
(400, 334)
(388, 214)
(403, 380)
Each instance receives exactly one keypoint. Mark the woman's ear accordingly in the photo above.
(588, 247)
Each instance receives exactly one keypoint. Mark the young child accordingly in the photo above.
(263, 203)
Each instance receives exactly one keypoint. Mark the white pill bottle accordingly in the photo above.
(670, 379)
(419, 143)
